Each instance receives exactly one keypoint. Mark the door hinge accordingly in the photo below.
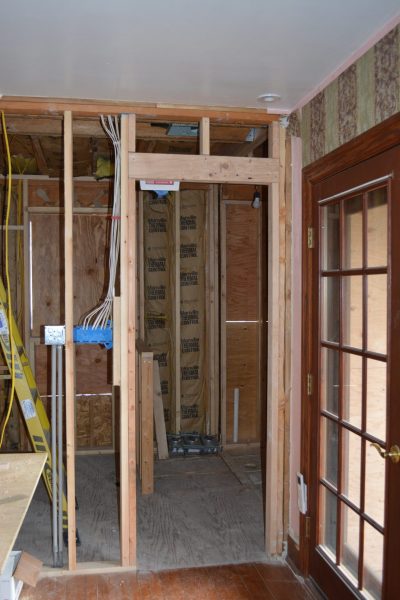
(309, 384)
(310, 237)
(307, 522)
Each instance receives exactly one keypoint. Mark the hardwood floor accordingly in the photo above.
(254, 581)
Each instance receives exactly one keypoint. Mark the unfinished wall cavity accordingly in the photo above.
(184, 392)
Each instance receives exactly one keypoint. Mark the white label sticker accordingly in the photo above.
(28, 409)
(3, 323)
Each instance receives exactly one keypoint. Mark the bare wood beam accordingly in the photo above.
(69, 342)
(39, 155)
(275, 379)
(223, 286)
(206, 169)
(124, 303)
(116, 340)
(147, 426)
(177, 310)
(128, 356)
(204, 136)
(54, 106)
(132, 246)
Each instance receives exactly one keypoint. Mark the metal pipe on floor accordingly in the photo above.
(236, 396)
(60, 451)
(54, 454)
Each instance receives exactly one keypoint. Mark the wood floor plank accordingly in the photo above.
(75, 587)
(149, 586)
(288, 590)
(275, 572)
(48, 588)
(227, 582)
(91, 587)
(229, 585)
(254, 582)
(129, 587)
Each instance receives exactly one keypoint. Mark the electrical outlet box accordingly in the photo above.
(54, 335)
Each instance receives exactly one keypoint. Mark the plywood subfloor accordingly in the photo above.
(204, 511)
(234, 582)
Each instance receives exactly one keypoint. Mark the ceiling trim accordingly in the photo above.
(372, 40)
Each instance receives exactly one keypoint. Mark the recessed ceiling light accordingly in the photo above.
(268, 97)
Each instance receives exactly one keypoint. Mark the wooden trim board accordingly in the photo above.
(69, 335)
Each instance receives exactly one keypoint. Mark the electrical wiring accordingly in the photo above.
(101, 315)
(8, 286)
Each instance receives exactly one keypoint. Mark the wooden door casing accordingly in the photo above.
(372, 143)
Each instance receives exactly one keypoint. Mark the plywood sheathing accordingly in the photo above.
(19, 474)
(90, 271)
(242, 304)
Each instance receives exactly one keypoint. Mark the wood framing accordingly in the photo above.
(132, 296)
(123, 409)
(27, 275)
(141, 266)
(204, 169)
(215, 308)
(158, 409)
(116, 341)
(222, 235)
(199, 169)
(146, 418)
(69, 341)
(212, 312)
(275, 382)
(204, 135)
(177, 310)
(57, 106)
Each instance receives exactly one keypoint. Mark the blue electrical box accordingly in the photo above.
(92, 335)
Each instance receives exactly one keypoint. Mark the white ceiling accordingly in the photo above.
(201, 52)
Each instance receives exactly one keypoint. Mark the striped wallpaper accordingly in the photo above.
(365, 94)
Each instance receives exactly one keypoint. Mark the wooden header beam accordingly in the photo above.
(204, 169)
(57, 106)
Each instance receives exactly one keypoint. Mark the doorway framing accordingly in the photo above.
(205, 168)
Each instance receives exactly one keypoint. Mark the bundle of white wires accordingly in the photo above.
(99, 317)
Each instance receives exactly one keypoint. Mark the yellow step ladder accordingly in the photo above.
(31, 405)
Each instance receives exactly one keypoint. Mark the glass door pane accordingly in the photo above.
(353, 357)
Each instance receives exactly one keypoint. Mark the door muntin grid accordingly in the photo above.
(353, 358)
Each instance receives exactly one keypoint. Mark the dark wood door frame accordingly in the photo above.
(382, 137)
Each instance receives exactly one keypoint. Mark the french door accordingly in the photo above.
(355, 439)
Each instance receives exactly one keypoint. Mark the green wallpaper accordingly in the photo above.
(365, 94)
